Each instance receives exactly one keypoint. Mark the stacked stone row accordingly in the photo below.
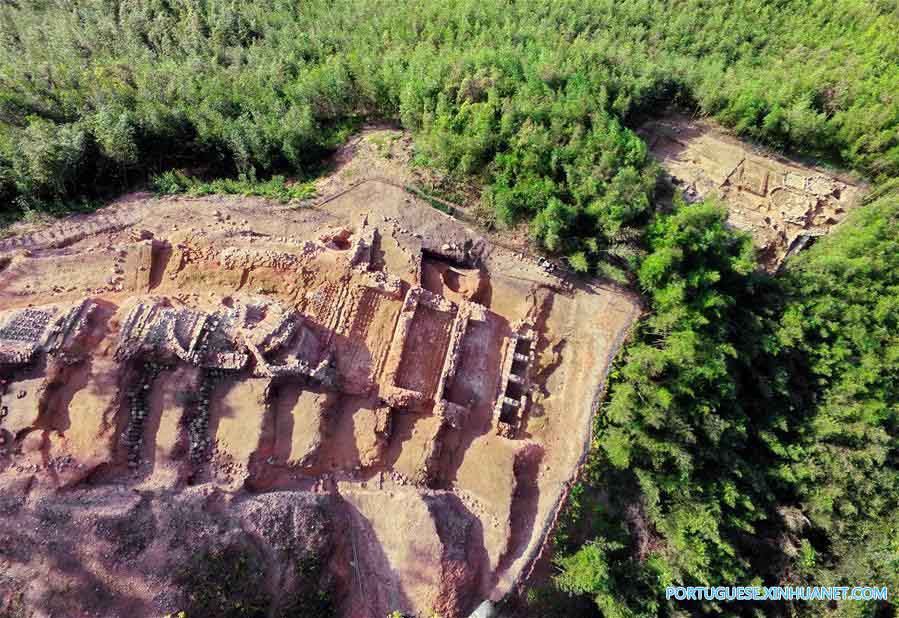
(201, 348)
(138, 409)
(198, 425)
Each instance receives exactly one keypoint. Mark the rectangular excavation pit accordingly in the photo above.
(424, 350)
(523, 346)
(519, 367)
(364, 350)
(508, 413)
(513, 398)
(474, 383)
(754, 178)
(515, 390)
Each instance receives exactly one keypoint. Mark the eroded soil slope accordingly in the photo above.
(361, 396)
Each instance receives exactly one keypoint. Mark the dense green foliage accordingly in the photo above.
(842, 317)
(228, 582)
(275, 188)
(535, 97)
(683, 407)
(750, 432)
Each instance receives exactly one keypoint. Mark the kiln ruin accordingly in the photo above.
(431, 391)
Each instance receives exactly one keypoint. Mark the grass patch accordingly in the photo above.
(434, 202)
(37, 212)
(275, 188)
(228, 583)
(312, 594)
(383, 141)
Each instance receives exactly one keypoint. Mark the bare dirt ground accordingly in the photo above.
(782, 203)
(362, 394)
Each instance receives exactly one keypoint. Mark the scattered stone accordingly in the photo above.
(137, 235)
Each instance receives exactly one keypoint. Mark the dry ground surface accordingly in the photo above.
(361, 394)
(784, 204)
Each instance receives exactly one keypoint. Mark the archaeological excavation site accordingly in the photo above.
(782, 203)
(362, 395)
(449, 309)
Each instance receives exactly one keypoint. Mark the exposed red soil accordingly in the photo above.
(184, 361)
